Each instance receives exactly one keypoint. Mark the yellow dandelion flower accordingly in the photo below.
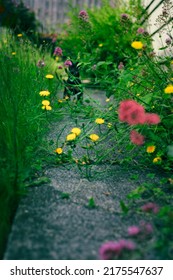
(60, 100)
(157, 160)
(19, 35)
(66, 97)
(71, 137)
(94, 137)
(150, 149)
(49, 76)
(46, 102)
(100, 45)
(169, 89)
(138, 94)
(46, 105)
(131, 69)
(44, 93)
(48, 108)
(137, 45)
(76, 131)
(99, 121)
(59, 151)
(108, 99)
(13, 53)
(56, 58)
(110, 108)
(171, 62)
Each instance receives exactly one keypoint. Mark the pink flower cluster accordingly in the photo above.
(133, 113)
(83, 15)
(137, 138)
(150, 207)
(58, 51)
(111, 250)
(144, 229)
(68, 63)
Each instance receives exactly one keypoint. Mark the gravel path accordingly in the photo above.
(54, 222)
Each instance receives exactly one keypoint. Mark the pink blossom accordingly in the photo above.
(131, 112)
(126, 244)
(140, 30)
(83, 15)
(109, 250)
(136, 138)
(150, 207)
(151, 118)
(133, 230)
(58, 51)
(68, 63)
(147, 228)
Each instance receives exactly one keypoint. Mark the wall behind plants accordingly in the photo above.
(54, 13)
(156, 21)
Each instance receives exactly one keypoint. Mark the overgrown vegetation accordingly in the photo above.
(114, 52)
(23, 122)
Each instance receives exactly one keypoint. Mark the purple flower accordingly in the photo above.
(83, 14)
(68, 63)
(133, 230)
(124, 16)
(150, 207)
(140, 30)
(58, 51)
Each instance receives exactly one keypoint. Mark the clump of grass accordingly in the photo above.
(23, 122)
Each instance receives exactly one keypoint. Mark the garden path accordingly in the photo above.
(51, 225)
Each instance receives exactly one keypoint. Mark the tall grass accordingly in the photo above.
(23, 123)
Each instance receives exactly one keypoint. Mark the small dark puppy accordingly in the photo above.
(73, 85)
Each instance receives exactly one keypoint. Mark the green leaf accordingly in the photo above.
(124, 208)
(91, 203)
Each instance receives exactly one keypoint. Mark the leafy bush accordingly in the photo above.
(18, 17)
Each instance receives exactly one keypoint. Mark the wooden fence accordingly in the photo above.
(52, 13)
